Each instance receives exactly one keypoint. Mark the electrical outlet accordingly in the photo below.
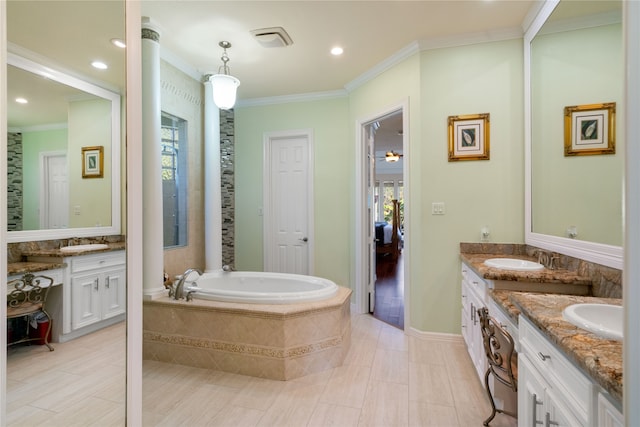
(437, 208)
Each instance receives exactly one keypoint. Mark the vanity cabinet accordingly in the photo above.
(551, 390)
(98, 288)
(93, 293)
(473, 291)
(608, 414)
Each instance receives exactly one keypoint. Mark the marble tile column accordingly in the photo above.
(152, 232)
(212, 197)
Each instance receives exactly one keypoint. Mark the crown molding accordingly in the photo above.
(472, 38)
(375, 71)
(582, 22)
(383, 66)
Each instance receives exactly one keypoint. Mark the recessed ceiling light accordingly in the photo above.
(119, 43)
(337, 51)
(99, 65)
(21, 101)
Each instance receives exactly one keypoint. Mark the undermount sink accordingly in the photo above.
(513, 264)
(85, 248)
(604, 320)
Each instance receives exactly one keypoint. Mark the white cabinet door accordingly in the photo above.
(85, 300)
(113, 289)
(558, 414)
(531, 389)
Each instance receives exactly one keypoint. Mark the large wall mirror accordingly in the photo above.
(574, 58)
(71, 118)
(71, 106)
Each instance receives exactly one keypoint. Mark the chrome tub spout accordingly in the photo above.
(177, 292)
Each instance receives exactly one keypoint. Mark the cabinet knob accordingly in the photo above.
(543, 357)
(106, 282)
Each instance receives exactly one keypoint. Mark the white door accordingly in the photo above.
(54, 191)
(288, 196)
(371, 247)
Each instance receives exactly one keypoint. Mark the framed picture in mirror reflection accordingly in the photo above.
(92, 162)
(590, 129)
(469, 137)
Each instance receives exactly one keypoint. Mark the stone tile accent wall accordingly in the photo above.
(14, 181)
(227, 162)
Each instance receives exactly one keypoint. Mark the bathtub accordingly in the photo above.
(260, 288)
(300, 326)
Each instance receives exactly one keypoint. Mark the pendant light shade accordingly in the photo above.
(224, 90)
(223, 84)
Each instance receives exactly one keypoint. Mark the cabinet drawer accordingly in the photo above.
(476, 284)
(91, 262)
(564, 377)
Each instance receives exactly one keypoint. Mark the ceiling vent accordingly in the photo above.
(272, 37)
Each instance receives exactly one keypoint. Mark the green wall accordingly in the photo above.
(437, 83)
(328, 119)
(584, 191)
(89, 126)
(33, 143)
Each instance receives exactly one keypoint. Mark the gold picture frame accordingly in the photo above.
(469, 137)
(92, 162)
(590, 129)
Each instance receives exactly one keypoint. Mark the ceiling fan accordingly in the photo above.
(391, 156)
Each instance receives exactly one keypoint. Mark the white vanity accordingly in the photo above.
(566, 376)
(89, 292)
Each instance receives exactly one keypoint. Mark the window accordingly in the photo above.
(174, 180)
(384, 193)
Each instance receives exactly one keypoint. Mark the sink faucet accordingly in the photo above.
(177, 292)
(549, 260)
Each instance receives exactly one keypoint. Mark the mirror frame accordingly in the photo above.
(78, 83)
(608, 255)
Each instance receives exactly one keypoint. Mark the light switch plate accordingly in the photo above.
(437, 208)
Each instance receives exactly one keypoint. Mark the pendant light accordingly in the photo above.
(224, 85)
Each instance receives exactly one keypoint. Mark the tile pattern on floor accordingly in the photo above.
(388, 379)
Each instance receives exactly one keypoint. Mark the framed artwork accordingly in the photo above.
(92, 162)
(469, 137)
(590, 129)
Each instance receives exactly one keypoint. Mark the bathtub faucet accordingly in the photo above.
(227, 268)
(177, 292)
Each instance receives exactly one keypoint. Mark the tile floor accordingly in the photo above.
(388, 379)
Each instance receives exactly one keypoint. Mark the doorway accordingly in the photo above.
(388, 218)
(54, 191)
(288, 202)
(382, 248)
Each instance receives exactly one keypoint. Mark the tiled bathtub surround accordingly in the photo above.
(269, 341)
(606, 282)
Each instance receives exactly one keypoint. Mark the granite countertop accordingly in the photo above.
(56, 253)
(501, 297)
(476, 262)
(15, 268)
(600, 358)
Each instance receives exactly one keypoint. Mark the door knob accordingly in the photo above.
(304, 239)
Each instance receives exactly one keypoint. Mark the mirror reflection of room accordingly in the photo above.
(66, 263)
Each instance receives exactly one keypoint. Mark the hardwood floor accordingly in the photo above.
(389, 305)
